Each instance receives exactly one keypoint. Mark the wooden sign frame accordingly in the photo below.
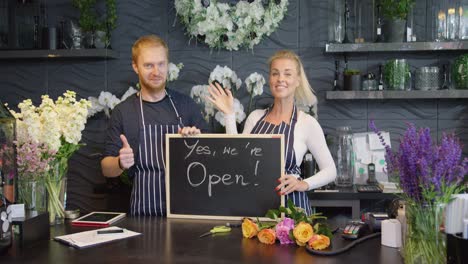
(217, 217)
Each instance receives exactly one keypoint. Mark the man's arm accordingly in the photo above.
(114, 166)
(110, 166)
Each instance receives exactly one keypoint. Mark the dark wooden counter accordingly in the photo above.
(176, 241)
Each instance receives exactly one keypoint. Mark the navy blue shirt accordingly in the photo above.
(126, 119)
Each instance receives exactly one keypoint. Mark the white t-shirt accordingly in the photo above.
(308, 136)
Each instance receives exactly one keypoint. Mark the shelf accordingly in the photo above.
(382, 95)
(389, 47)
(59, 53)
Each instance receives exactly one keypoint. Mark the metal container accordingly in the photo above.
(427, 78)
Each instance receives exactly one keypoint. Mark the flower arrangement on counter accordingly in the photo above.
(430, 175)
(107, 101)
(47, 136)
(230, 26)
(296, 228)
(229, 80)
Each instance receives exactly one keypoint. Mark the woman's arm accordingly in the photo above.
(317, 145)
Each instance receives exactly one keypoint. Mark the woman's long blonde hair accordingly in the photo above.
(304, 93)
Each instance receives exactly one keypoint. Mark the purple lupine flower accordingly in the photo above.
(422, 164)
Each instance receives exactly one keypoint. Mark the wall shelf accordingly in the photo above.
(59, 53)
(383, 95)
(389, 47)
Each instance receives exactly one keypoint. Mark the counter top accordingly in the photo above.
(176, 241)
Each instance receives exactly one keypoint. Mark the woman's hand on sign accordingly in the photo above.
(189, 131)
(290, 183)
(126, 157)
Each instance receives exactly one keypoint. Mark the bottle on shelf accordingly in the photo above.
(346, 23)
(379, 37)
(337, 75)
(36, 32)
(380, 85)
(446, 81)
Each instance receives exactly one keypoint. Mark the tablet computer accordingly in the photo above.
(98, 219)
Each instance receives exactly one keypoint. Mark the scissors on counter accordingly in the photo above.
(217, 229)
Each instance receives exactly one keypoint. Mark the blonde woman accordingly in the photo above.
(289, 86)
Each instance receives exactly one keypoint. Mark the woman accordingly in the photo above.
(289, 86)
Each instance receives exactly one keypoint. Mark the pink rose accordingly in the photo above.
(282, 230)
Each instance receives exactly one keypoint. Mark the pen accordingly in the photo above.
(110, 231)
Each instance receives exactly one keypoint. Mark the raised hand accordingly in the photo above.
(126, 157)
(221, 98)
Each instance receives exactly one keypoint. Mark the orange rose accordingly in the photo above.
(249, 228)
(303, 232)
(319, 242)
(267, 236)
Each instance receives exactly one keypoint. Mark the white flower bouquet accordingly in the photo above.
(230, 26)
(56, 128)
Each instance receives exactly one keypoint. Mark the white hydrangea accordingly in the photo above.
(230, 27)
(173, 72)
(200, 94)
(227, 77)
(255, 83)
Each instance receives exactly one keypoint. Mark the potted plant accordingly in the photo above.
(460, 72)
(109, 23)
(397, 75)
(98, 32)
(395, 13)
(352, 79)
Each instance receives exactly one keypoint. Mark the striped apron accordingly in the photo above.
(149, 184)
(300, 199)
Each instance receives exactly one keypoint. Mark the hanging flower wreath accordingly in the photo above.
(229, 26)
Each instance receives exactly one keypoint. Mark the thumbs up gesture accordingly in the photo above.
(126, 157)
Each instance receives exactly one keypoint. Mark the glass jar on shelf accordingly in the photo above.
(336, 17)
(369, 83)
(463, 26)
(427, 78)
(397, 75)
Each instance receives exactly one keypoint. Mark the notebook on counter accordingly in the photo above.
(95, 237)
(98, 219)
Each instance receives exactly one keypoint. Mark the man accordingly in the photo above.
(137, 128)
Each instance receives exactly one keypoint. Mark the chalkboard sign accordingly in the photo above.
(219, 176)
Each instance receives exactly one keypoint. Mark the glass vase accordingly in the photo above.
(56, 186)
(33, 194)
(397, 75)
(424, 242)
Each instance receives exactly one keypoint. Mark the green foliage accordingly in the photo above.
(89, 18)
(460, 72)
(396, 74)
(396, 9)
